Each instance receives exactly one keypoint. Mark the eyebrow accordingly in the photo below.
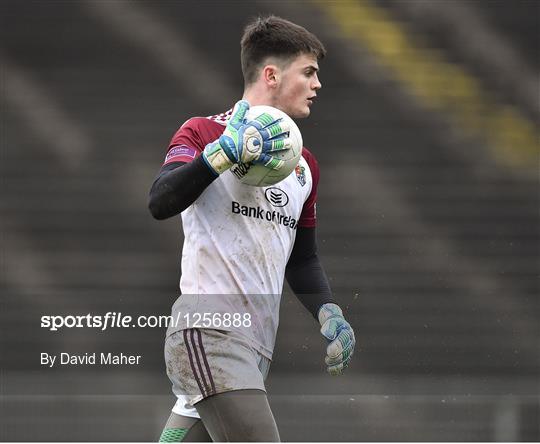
(312, 67)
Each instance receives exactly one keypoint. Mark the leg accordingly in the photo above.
(184, 429)
(241, 415)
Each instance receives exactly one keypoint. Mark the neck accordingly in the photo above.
(259, 95)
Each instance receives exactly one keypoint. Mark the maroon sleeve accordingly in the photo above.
(308, 217)
(191, 139)
(186, 143)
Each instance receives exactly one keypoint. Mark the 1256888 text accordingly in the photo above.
(217, 320)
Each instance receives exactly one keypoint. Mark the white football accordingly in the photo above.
(260, 176)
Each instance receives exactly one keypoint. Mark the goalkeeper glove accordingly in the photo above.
(245, 141)
(340, 336)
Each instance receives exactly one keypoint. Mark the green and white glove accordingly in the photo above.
(245, 141)
(340, 336)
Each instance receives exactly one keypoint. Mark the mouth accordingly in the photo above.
(311, 99)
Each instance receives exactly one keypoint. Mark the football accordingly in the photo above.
(260, 176)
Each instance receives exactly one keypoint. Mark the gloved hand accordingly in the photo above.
(340, 335)
(248, 141)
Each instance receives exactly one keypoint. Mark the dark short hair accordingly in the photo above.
(274, 36)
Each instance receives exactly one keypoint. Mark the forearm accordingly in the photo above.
(177, 188)
(306, 276)
(310, 284)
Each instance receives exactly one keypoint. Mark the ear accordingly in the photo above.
(271, 75)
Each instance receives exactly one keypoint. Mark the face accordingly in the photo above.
(297, 86)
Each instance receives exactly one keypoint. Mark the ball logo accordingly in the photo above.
(253, 144)
(277, 197)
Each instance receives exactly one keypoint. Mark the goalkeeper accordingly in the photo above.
(235, 260)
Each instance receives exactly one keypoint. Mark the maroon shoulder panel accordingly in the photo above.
(308, 218)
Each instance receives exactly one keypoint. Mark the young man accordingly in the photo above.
(234, 263)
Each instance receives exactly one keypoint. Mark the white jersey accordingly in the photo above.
(237, 241)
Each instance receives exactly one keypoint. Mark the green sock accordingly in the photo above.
(172, 435)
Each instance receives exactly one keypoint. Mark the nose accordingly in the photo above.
(317, 83)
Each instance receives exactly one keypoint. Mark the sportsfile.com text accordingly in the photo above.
(119, 320)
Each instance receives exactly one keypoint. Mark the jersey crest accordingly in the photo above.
(300, 172)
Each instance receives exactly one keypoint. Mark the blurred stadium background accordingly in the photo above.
(426, 131)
